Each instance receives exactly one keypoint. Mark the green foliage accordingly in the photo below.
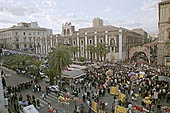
(81, 59)
(51, 74)
(101, 50)
(17, 60)
(74, 50)
(168, 47)
(59, 58)
(91, 49)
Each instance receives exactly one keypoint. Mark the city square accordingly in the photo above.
(101, 68)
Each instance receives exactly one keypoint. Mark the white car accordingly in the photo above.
(54, 88)
(42, 75)
(47, 79)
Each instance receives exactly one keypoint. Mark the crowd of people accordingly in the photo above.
(141, 85)
(97, 82)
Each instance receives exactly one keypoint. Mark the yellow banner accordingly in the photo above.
(101, 111)
(114, 90)
(122, 97)
(141, 76)
(94, 106)
(120, 109)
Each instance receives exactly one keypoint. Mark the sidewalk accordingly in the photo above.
(10, 70)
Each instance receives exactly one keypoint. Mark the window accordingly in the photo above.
(68, 32)
(25, 45)
(101, 40)
(74, 42)
(82, 49)
(30, 39)
(64, 31)
(82, 42)
(24, 33)
(16, 33)
(90, 41)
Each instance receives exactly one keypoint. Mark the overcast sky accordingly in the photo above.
(52, 13)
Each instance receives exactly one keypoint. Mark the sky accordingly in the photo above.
(53, 13)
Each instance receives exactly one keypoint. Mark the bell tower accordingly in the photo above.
(67, 29)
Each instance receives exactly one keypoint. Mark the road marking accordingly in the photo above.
(41, 105)
(53, 93)
(42, 101)
(49, 101)
(52, 96)
(49, 97)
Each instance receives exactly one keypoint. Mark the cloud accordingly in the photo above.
(149, 5)
(5, 21)
(107, 10)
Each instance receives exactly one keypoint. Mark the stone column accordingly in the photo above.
(106, 37)
(86, 53)
(95, 42)
(46, 45)
(78, 45)
(120, 44)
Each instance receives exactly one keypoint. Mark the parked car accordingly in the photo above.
(47, 79)
(42, 75)
(54, 88)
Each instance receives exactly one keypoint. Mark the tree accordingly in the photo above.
(168, 47)
(37, 63)
(91, 50)
(23, 59)
(59, 59)
(74, 50)
(50, 73)
(101, 50)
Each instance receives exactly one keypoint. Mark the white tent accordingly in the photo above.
(30, 109)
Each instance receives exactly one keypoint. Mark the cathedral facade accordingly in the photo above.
(118, 40)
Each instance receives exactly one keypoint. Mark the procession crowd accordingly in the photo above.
(142, 89)
(135, 82)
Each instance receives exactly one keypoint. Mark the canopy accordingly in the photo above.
(30, 109)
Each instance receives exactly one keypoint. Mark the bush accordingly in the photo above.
(81, 59)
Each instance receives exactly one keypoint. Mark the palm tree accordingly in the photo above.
(59, 59)
(74, 50)
(50, 74)
(91, 50)
(37, 63)
(168, 47)
(101, 50)
(24, 59)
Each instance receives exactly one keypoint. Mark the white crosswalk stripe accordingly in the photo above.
(53, 93)
(49, 97)
(52, 96)
(49, 101)
(43, 101)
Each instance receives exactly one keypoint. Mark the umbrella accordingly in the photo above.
(132, 74)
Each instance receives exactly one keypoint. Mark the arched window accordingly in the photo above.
(64, 31)
(68, 31)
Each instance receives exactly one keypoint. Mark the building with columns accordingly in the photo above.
(118, 40)
(22, 37)
(164, 30)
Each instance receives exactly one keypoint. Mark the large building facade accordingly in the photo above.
(118, 40)
(22, 36)
(164, 30)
